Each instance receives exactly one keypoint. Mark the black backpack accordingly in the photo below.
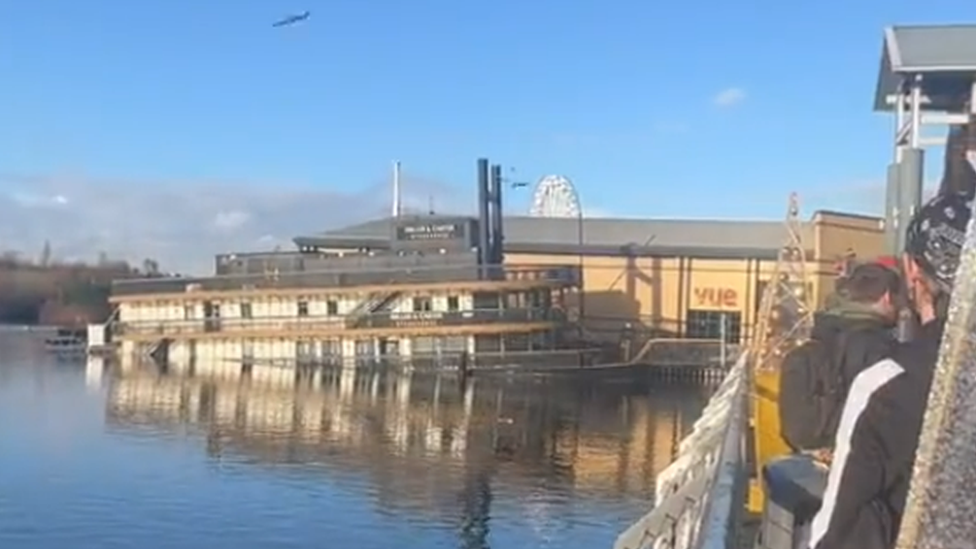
(812, 390)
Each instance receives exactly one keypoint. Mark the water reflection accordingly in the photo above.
(347, 457)
(428, 444)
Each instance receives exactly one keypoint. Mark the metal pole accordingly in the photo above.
(970, 153)
(722, 348)
(892, 204)
(899, 121)
(915, 108)
(579, 242)
(497, 233)
(484, 219)
(397, 206)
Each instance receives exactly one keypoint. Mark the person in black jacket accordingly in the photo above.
(882, 417)
(852, 332)
(864, 310)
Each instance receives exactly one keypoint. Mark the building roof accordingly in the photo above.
(944, 54)
(600, 236)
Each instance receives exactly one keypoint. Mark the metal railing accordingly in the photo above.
(699, 496)
(561, 274)
(676, 351)
(535, 361)
(383, 320)
(373, 303)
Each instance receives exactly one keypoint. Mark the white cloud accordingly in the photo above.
(231, 220)
(35, 200)
(729, 97)
(182, 225)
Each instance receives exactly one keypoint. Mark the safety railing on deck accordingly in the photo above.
(387, 320)
(699, 496)
(687, 351)
(408, 274)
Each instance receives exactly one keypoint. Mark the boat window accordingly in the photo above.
(453, 344)
(303, 308)
(423, 346)
(487, 343)
(421, 304)
(516, 342)
(332, 307)
(246, 310)
(211, 309)
(485, 300)
(453, 303)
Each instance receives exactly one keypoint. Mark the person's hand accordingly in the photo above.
(824, 456)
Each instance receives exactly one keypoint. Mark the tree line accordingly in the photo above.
(48, 291)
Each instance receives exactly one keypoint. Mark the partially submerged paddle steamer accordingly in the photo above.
(436, 291)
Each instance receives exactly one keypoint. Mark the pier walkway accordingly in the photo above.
(700, 496)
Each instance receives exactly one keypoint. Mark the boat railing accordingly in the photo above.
(567, 275)
(698, 499)
(540, 361)
(679, 351)
(338, 323)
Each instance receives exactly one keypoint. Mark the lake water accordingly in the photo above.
(370, 461)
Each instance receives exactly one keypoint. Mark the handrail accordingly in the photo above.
(697, 496)
(650, 344)
(344, 278)
(368, 321)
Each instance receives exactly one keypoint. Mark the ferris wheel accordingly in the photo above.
(555, 196)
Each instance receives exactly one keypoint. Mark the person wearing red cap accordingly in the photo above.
(888, 261)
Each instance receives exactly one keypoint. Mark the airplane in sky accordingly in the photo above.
(292, 19)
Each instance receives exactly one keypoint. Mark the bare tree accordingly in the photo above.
(46, 254)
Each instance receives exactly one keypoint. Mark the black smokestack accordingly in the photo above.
(484, 219)
(497, 235)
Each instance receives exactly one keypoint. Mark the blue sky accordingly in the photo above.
(619, 95)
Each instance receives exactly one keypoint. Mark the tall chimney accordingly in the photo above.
(484, 220)
(397, 206)
(497, 236)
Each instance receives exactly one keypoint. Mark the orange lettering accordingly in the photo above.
(726, 298)
(703, 295)
(729, 298)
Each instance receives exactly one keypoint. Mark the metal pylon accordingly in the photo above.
(785, 314)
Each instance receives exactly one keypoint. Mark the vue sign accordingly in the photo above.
(717, 297)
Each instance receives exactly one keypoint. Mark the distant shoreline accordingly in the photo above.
(66, 295)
